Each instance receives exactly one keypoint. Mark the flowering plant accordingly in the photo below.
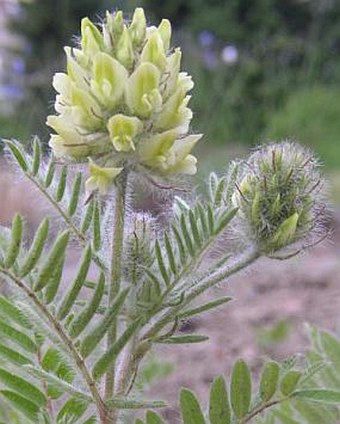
(72, 347)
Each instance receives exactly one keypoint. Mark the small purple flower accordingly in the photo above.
(18, 66)
(229, 55)
(206, 39)
(11, 91)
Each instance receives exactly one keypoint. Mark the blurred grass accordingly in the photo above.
(312, 117)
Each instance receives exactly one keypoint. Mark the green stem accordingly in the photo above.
(116, 268)
(258, 410)
(55, 324)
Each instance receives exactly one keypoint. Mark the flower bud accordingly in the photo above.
(279, 192)
(123, 101)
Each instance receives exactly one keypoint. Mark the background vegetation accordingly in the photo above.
(265, 69)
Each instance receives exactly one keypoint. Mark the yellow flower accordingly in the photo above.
(123, 101)
(101, 178)
(122, 131)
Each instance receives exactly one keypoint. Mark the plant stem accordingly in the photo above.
(260, 409)
(116, 269)
(55, 324)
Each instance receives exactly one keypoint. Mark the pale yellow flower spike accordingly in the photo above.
(123, 101)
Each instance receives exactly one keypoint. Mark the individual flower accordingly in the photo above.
(280, 195)
(229, 55)
(101, 178)
(123, 102)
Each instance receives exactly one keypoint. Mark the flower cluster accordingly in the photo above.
(280, 194)
(123, 101)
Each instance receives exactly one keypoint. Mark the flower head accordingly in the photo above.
(123, 102)
(280, 195)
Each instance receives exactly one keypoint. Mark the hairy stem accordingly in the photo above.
(258, 410)
(57, 327)
(116, 269)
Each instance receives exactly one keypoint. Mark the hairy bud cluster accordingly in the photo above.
(280, 195)
(139, 258)
(123, 101)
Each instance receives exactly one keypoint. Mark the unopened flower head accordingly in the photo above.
(280, 194)
(123, 101)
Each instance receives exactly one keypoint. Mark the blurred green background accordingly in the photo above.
(263, 69)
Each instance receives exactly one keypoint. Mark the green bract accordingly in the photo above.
(280, 195)
(123, 102)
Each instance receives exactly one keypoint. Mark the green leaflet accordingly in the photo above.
(36, 156)
(16, 239)
(203, 219)
(170, 253)
(103, 363)
(74, 201)
(190, 408)
(13, 356)
(319, 395)
(212, 185)
(72, 410)
(240, 389)
(211, 221)
(78, 283)
(54, 363)
(36, 248)
(57, 384)
(331, 347)
(50, 172)
(219, 409)
(313, 412)
(153, 418)
(194, 229)
(23, 388)
(269, 380)
(161, 265)
(190, 338)
(80, 322)
(186, 235)
(225, 219)
(205, 307)
(180, 244)
(9, 310)
(17, 154)
(91, 420)
(54, 281)
(56, 252)
(96, 227)
(92, 339)
(29, 409)
(88, 216)
(61, 184)
(17, 337)
(219, 191)
(289, 382)
(128, 403)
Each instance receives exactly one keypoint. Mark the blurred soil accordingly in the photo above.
(303, 289)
